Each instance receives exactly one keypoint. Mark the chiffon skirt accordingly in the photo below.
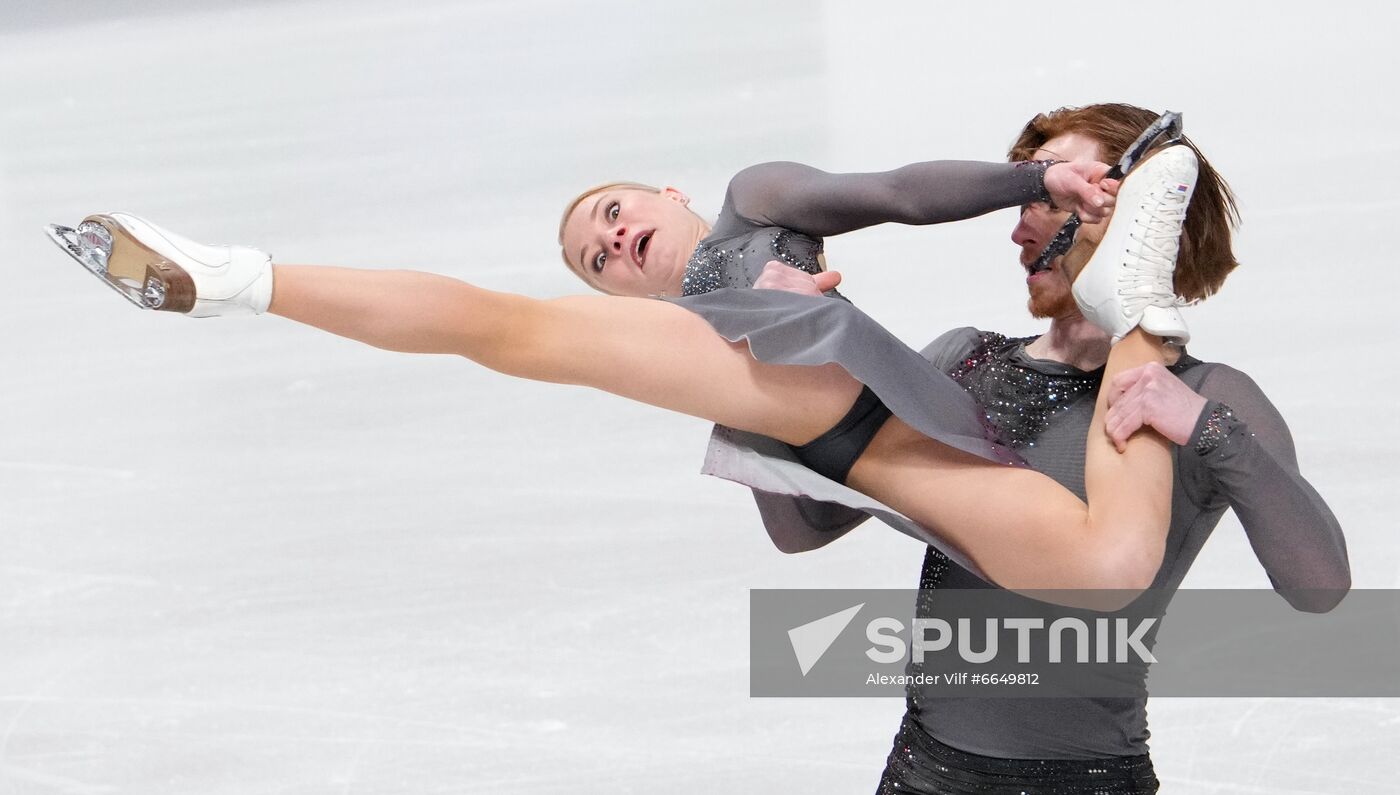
(801, 509)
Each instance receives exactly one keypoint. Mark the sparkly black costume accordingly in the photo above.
(982, 393)
(1240, 456)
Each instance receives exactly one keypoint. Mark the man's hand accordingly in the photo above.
(781, 276)
(1081, 188)
(1150, 395)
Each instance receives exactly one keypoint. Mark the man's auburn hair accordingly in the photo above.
(1206, 257)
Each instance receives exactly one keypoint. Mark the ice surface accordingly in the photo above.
(245, 557)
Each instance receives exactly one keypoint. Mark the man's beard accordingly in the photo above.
(1055, 299)
(1051, 303)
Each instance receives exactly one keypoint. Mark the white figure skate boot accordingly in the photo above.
(1128, 281)
(157, 269)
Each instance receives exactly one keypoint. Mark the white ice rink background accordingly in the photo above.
(244, 556)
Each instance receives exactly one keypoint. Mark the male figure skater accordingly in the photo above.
(1233, 451)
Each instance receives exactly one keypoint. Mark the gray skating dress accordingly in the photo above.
(782, 211)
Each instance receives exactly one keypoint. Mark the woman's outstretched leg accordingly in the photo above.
(1022, 528)
(652, 351)
(646, 350)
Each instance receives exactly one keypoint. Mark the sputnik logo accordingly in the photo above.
(811, 640)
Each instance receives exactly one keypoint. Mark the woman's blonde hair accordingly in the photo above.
(569, 210)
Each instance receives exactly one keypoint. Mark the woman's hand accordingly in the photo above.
(1081, 188)
(782, 276)
(1151, 395)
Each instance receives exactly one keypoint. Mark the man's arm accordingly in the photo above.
(1231, 434)
(1247, 447)
(819, 204)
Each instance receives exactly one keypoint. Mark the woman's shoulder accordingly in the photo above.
(754, 191)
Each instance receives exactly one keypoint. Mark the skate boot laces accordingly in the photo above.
(1146, 278)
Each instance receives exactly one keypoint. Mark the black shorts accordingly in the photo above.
(834, 453)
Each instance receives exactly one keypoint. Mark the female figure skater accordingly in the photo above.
(813, 373)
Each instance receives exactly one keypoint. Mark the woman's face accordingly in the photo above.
(632, 241)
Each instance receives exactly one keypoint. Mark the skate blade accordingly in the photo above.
(141, 276)
(1160, 134)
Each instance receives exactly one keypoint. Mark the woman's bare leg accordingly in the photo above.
(639, 348)
(1130, 493)
(1022, 528)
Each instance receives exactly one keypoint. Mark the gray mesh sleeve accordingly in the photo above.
(819, 204)
(1247, 451)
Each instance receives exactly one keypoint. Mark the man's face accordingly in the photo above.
(1050, 295)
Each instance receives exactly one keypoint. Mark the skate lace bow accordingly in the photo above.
(1148, 280)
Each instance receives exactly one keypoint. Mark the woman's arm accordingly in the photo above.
(817, 203)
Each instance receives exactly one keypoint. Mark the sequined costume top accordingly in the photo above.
(1240, 456)
(781, 211)
(731, 262)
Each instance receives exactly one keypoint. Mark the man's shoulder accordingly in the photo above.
(953, 347)
(1207, 377)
